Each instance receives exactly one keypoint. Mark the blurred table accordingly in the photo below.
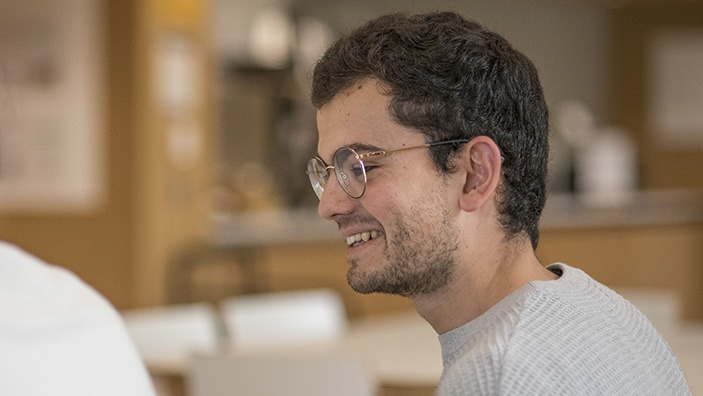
(401, 350)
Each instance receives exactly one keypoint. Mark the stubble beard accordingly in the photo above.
(419, 260)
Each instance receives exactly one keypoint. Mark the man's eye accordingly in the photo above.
(357, 172)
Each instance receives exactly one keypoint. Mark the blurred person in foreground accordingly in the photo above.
(433, 152)
(58, 336)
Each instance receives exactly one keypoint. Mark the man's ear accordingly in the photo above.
(481, 162)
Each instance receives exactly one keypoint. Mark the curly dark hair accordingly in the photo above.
(451, 78)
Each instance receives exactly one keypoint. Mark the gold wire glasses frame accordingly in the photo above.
(350, 169)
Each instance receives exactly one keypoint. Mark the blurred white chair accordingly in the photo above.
(170, 335)
(227, 375)
(284, 318)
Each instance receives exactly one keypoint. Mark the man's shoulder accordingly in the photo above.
(547, 336)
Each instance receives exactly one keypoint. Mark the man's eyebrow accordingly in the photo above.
(358, 147)
(365, 148)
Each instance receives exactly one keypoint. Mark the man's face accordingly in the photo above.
(401, 235)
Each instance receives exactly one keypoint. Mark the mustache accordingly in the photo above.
(347, 220)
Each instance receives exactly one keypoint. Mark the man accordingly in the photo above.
(433, 151)
(58, 336)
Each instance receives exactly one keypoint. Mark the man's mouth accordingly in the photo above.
(362, 237)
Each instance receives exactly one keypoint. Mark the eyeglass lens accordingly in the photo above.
(350, 171)
(348, 168)
(317, 172)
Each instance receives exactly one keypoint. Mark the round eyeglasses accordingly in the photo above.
(350, 169)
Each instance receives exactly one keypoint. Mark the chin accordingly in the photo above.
(375, 282)
(363, 282)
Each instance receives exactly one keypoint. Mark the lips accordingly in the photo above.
(362, 237)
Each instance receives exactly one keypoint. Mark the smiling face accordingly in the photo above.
(400, 233)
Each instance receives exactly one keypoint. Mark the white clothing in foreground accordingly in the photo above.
(58, 336)
(571, 336)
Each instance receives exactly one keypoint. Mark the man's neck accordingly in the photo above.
(480, 283)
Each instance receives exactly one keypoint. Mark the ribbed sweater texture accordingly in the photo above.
(570, 336)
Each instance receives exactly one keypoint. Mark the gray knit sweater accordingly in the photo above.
(571, 336)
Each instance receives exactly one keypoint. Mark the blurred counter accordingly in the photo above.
(563, 211)
(642, 208)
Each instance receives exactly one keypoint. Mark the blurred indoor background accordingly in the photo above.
(157, 148)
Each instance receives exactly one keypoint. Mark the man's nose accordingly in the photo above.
(334, 200)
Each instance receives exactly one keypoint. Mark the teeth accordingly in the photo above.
(362, 236)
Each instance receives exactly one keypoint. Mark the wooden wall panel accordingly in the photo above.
(665, 257)
(633, 28)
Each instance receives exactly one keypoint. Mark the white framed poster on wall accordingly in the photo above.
(675, 95)
(51, 106)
